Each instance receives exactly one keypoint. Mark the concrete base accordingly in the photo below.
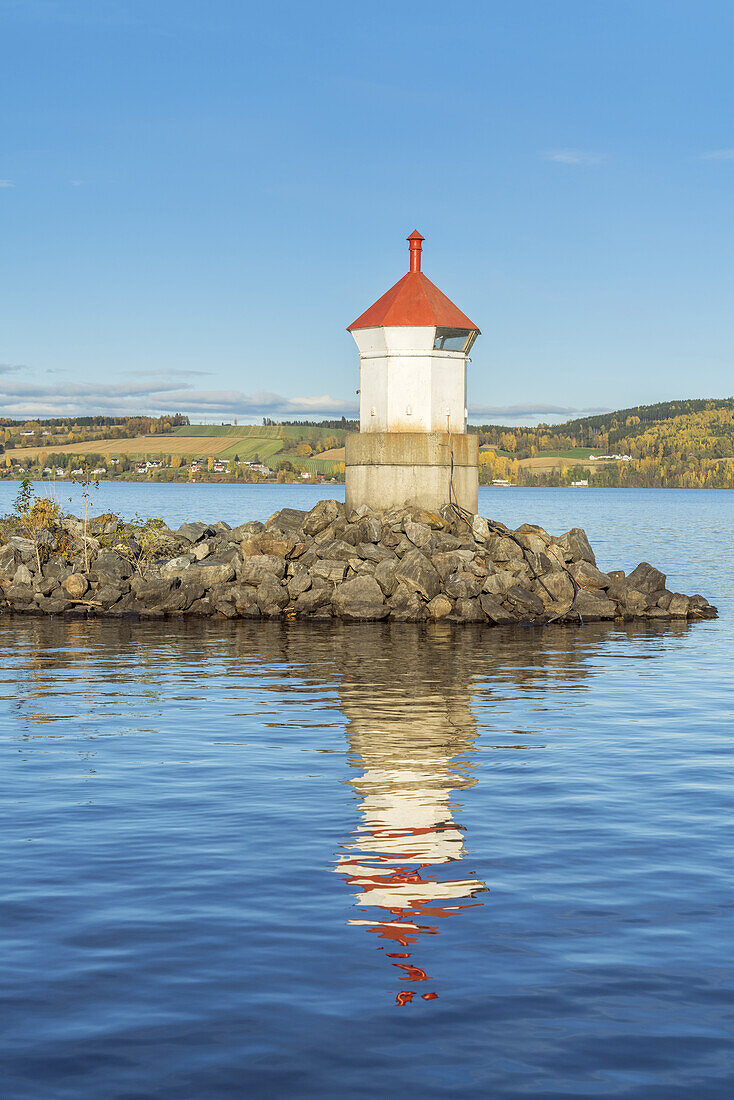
(386, 469)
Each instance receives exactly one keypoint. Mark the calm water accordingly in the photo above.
(231, 850)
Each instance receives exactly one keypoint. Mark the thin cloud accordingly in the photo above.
(84, 399)
(531, 410)
(572, 156)
(718, 154)
(7, 183)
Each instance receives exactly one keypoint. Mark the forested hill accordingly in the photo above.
(685, 444)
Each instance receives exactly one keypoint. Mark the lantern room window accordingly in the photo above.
(454, 339)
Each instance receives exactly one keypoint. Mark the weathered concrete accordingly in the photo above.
(386, 469)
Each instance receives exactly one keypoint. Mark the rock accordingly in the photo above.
(245, 601)
(23, 575)
(332, 571)
(448, 562)
(360, 598)
(480, 529)
(439, 607)
(385, 575)
(587, 575)
(418, 573)
(443, 542)
(202, 550)
(19, 595)
(370, 551)
(419, 534)
(212, 573)
(576, 546)
(531, 541)
(151, 592)
(108, 595)
(321, 515)
(176, 566)
(502, 548)
(272, 597)
(494, 610)
(254, 570)
(336, 550)
(496, 584)
(75, 586)
(646, 578)
(54, 606)
(462, 586)
(280, 546)
(369, 529)
(405, 605)
(244, 531)
(679, 606)
(299, 583)
(192, 532)
(287, 519)
(7, 559)
(559, 586)
(112, 565)
(23, 546)
(524, 600)
(593, 608)
(468, 611)
(202, 609)
(318, 596)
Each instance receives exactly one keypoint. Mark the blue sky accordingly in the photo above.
(197, 198)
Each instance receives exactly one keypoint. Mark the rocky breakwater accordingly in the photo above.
(406, 565)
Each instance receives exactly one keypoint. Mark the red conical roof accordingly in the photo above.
(414, 300)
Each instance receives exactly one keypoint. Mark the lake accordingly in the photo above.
(264, 859)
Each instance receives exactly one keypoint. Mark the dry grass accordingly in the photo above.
(137, 446)
(336, 454)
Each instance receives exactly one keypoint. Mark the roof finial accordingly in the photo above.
(415, 244)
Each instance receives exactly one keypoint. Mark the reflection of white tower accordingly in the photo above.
(413, 345)
(405, 860)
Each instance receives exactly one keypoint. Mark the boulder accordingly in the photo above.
(20, 595)
(385, 575)
(332, 571)
(468, 611)
(211, 573)
(108, 595)
(679, 606)
(75, 586)
(321, 515)
(418, 573)
(318, 596)
(244, 531)
(370, 551)
(646, 578)
(23, 575)
(462, 586)
(360, 598)
(253, 570)
(151, 591)
(494, 610)
(192, 532)
(439, 607)
(299, 583)
(112, 565)
(593, 608)
(501, 548)
(419, 534)
(176, 566)
(480, 529)
(287, 519)
(575, 546)
(524, 601)
(559, 586)
(272, 597)
(587, 575)
(406, 606)
(336, 550)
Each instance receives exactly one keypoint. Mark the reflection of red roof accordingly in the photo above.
(413, 301)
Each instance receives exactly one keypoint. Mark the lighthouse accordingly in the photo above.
(413, 445)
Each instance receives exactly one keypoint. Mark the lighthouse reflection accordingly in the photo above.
(412, 738)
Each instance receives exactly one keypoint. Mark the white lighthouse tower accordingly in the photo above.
(413, 445)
